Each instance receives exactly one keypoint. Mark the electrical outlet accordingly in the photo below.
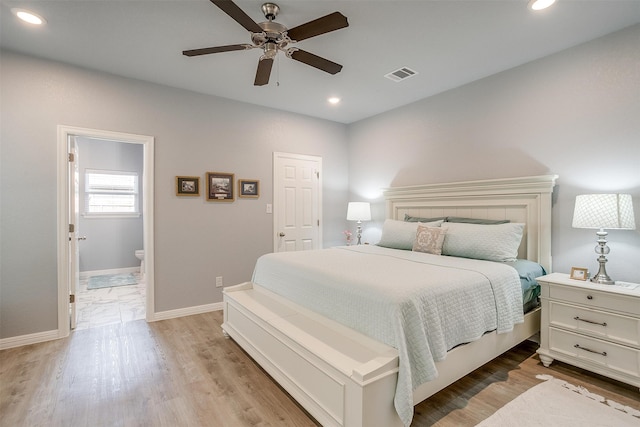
(219, 282)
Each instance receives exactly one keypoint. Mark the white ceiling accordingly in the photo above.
(449, 43)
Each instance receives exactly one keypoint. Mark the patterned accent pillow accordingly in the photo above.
(400, 234)
(499, 242)
(429, 240)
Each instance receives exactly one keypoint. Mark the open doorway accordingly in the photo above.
(106, 228)
(111, 287)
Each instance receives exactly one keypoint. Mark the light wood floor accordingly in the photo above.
(183, 372)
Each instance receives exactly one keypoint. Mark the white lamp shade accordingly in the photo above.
(359, 211)
(612, 211)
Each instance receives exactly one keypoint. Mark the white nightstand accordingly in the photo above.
(595, 327)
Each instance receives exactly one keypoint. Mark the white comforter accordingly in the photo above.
(421, 304)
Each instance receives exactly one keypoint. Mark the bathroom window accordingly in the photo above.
(110, 193)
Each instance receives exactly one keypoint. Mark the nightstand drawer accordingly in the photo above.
(612, 356)
(622, 329)
(596, 299)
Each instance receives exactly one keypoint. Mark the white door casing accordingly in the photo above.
(297, 200)
(66, 258)
(73, 227)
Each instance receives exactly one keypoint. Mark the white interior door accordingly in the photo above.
(297, 199)
(74, 267)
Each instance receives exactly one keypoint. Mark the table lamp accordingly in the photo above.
(359, 211)
(603, 211)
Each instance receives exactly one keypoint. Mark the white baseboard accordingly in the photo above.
(85, 274)
(28, 339)
(39, 337)
(187, 311)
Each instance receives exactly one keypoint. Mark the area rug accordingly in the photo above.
(558, 403)
(110, 281)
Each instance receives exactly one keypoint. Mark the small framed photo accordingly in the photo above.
(578, 273)
(220, 187)
(187, 185)
(249, 188)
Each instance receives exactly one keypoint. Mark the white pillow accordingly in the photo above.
(429, 240)
(497, 242)
(401, 234)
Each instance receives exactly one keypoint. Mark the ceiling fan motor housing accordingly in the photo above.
(273, 36)
(273, 31)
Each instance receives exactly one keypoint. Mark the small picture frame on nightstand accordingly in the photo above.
(578, 273)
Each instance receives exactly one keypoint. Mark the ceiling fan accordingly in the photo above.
(271, 37)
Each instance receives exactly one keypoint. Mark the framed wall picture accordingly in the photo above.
(187, 185)
(220, 187)
(578, 273)
(249, 188)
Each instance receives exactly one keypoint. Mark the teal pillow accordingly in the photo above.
(409, 218)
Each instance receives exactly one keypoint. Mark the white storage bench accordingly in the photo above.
(341, 377)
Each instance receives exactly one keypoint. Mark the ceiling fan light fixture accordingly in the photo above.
(270, 50)
(28, 16)
(540, 4)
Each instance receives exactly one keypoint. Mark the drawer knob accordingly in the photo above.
(589, 297)
(590, 321)
(603, 353)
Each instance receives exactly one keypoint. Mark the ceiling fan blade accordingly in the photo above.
(316, 61)
(326, 24)
(217, 49)
(264, 72)
(231, 9)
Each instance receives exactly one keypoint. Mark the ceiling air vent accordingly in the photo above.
(401, 74)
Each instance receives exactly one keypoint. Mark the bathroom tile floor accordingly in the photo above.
(106, 306)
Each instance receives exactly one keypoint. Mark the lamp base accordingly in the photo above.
(602, 279)
(602, 249)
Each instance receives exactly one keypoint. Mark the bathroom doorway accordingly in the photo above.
(109, 206)
(111, 287)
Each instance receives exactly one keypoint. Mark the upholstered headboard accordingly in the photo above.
(526, 200)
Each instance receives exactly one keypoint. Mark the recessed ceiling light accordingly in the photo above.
(334, 100)
(540, 4)
(28, 16)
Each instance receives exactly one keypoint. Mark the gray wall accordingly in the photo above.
(111, 242)
(195, 240)
(575, 114)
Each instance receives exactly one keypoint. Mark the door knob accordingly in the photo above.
(281, 234)
(82, 238)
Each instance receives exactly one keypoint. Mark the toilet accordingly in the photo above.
(140, 256)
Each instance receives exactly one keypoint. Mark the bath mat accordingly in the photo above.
(558, 403)
(110, 281)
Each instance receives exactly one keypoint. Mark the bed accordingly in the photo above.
(348, 370)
